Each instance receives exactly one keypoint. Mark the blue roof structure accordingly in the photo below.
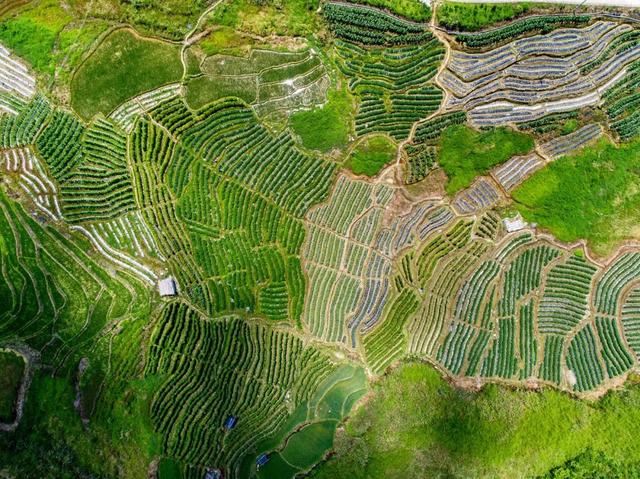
(262, 460)
(213, 474)
(230, 423)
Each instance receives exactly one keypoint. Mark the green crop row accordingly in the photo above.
(501, 359)
(616, 357)
(524, 276)
(582, 360)
(215, 369)
(540, 24)
(392, 84)
(631, 320)
(528, 345)
(370, 26)
(564, 301)
(22, 129)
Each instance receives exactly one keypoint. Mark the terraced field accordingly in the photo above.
(390, 64)
(565, 70)
(272, 81)
(285, 283)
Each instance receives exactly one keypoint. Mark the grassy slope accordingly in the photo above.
(465, 154)
(51, 440)
(123, 66)
(290, 17)
(412, 9)
(203, 90)
(170, 19)
(476, 16)
(32, 34)
(416, 425)
(12, 367)
(327, 127)
(591, 464)
(592, 195)
(224, 40)
(371, 155)
(50, 36)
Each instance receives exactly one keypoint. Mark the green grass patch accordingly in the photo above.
(307, 446)
(476, 16)
(371, 155)
(32, 34)
(327, 127)
(204, 89)
(417, 425)
(169, 469)
(193, 63)
(277, 467)
(415, 10)
(269, 17)
(592, 195)
(12, 367)
(570, 126)
(123, 66)
(465, 153)
(223, 39)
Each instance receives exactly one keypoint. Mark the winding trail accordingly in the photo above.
(188, 40)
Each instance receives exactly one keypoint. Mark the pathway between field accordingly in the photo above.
(615, 3)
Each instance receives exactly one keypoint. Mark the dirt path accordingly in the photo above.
(189, 39)
(31, 360)
(443, 64)
(611, 3)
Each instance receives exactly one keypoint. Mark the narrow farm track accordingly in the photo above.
(189, 37)
(447, 46)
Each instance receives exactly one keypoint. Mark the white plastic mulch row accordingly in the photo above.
(567, 143)
(513, 172)
(480, 196)
(33, 180)
(531, 77)
(14, 76)
(123, 260)
(125, 114)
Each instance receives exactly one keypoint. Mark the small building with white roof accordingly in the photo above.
(167, 286)
(514, 224)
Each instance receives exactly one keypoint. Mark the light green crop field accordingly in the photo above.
(371, 155)
(590, 195)
(124, 65)
(466, 154)
(327, 127)
(203, 90)
(265, 239)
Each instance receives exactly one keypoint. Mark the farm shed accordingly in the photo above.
(514, 224)
(167, 287)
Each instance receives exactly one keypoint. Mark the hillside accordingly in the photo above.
(234, 233)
